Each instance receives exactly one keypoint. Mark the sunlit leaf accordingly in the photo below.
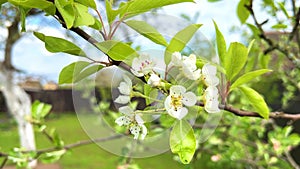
(66, 9)
(83, 17)
(256, 100)
(248, 77)
(68, 74)
(117, 50)
(179, 41)
(54, 45)
(279, 26)
(242, 11)
(40, 4)
(221, 44)
(148, 31)
(183, 141)
(235, 59)
(88, 3)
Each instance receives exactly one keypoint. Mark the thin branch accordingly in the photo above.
(79, 144)
(291, 160)
(245, 113)
(4, 162)
(104, 35)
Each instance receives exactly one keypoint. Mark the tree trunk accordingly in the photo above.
(19, 105)
(17, 100)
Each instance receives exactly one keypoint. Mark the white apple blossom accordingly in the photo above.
(211, 101)
(154, 80)
(134, 121)
(187, 65)
(177, 99)
(209, 75)
(125, 89)
(142, 65)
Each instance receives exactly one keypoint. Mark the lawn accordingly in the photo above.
(85, 157)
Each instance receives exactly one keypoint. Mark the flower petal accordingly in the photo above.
(123, 120)
(177, 90)
(179, 114)
(154, 80)
(144, 132)
(176, 59)
(168, 101)
(211, 80)
(139, 119)
(124, 88)
(212, 106)
(211, 93)
(136, 73)
(122, 99)
(209, 69)
(126, 110)
(135, 130)
(189, 99)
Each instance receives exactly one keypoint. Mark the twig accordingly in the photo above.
(4, 162)
(245, 113)
(79, 144)
(291, 160)
(104, 35)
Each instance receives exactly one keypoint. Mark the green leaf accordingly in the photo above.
(254, 29)
(257, 101)
(23, 12)
(242, 11)
(53, 156)
(110, 13)
(97, 25)
(68, 74)
(250, 46)
(39, 110)
(87, 72)
(179, 41)
(148, 31)
(183, 141)
(40, 4)
(221, 44)
(88, 3)
(117, 50)
(248, 77)
(135, 7)
(150, 92)
(83, 18)
(66, 9)
(264, 60)
(279, 26)
(235, 59)
(54, 45)
(282, 7)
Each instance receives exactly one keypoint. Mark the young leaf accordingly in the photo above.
(87, 72)
(221, 44)
(40, 110)
(87, 3)
(242, 11)
(23, 12)
(68, 73)
(117, 50)
(254, 29)
(54, 45)
(40, 4)
(110, 13)
(235, 59)
(183, 141)
(179, 41)
(83, 17)
(279, 26)
(248, 77)
(53, 156)
(66, 9)
(148, 31)
(250, 46)
(282, 7)
(135, 7)
(257, 101)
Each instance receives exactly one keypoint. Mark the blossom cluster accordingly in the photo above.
(178, 98)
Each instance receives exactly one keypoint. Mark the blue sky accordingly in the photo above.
(30, 55)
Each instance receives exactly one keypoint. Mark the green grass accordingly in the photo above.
(85, 157)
